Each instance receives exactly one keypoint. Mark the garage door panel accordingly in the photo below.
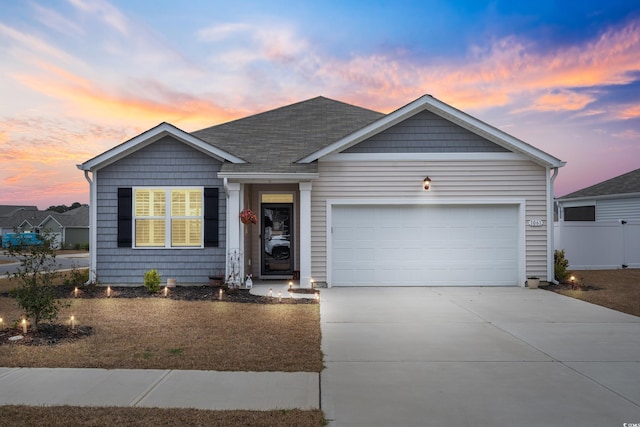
(424, 245)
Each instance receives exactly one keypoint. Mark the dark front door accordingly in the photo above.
(277, 239)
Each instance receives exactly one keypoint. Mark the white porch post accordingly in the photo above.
(305, 234)
(233, 220)
(93, 234)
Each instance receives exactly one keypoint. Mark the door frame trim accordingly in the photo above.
(295, 225)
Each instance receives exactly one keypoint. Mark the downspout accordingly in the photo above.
(226, 230)
(550, 228)
(92, 229)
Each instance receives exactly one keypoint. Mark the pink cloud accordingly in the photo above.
(628, 112)
(507, 70)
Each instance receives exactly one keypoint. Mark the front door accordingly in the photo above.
(277, 239)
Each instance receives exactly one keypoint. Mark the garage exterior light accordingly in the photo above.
(426, 184)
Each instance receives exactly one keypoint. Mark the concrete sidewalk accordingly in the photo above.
(160, 388)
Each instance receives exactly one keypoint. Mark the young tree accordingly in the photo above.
(34, 293)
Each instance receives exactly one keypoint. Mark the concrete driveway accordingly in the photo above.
(476, 357)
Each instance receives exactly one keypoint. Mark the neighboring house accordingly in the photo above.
(599, 226)
(339, 192)
(9, 212)
(69, 229)
(26, 220)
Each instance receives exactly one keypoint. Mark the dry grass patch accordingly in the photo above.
(169, 334)
(615, 289)
(7, 284)
(62, 416)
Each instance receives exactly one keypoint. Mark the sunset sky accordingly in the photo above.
(80, 76)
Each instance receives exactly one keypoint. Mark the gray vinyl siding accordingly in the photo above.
(165, 163)
(51, 226)
(615, 209)
(451, 180)
(426, 132)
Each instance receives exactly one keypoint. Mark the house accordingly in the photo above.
(344, 196)
(599, 226)
(7, 214)
(69, 229)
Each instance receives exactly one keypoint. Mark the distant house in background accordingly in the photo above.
(70, 229)
(25, 218)
(599, 226)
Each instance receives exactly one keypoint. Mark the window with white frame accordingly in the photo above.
(168, 217)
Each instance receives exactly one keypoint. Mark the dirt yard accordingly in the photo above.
(615, 289)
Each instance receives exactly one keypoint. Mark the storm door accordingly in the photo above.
(277, 239)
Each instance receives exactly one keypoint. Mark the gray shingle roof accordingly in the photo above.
(6, 210)
(78, 217)
(33, 217)
(623, 184)
(273, 141)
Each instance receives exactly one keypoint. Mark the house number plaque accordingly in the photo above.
(535, 222)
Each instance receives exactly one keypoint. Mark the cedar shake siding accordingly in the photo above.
(165, 163)
(426, 132)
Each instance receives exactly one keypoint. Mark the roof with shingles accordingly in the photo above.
(6, 210)
(18, 218)
(623, 184)
(271, 142)
(78, 217)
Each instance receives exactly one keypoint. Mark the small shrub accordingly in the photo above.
(35, 294)
(152, 281)
(560, 265)
(77, 276)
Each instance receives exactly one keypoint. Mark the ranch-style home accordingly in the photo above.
(342, 196)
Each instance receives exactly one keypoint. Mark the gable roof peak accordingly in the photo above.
(446, 111)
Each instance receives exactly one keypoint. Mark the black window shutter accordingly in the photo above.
(125, 211)
(211, 217)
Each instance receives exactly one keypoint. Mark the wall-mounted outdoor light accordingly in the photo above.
(426, 184)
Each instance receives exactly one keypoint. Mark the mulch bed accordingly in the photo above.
(568, 287)
(50, 334)
(47, 334)
(185, 293)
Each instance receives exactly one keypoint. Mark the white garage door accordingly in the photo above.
(400, 245)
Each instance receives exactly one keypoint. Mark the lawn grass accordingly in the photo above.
(156, 333)
(62, 416)
(615, 289)
(153, 333)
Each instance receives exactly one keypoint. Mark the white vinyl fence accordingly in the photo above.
(599, 245)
